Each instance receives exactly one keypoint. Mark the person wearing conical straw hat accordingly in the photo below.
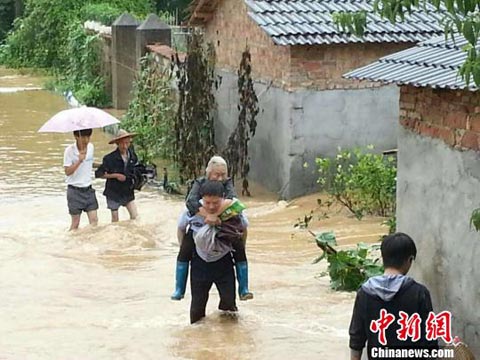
(118, 168)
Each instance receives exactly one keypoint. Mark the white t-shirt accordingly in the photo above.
(82, 177)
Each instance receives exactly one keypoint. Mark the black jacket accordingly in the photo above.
(120, 191)
(411, 298)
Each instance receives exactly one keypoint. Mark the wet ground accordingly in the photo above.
(103, 293)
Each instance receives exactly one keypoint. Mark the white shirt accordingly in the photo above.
(82, 177)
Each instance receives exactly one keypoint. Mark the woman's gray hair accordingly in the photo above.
(214, 162)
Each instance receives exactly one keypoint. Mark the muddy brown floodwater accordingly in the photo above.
(103, 293)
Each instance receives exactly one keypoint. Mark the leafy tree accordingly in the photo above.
(40, 38)
(458, 16)
(7, 14)
(171, 6)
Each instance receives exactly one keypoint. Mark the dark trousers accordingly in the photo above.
(203, 276)
(186, 249)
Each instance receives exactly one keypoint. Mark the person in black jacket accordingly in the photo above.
(392, 292)
(118, 168)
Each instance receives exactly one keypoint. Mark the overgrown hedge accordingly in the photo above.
(40, 38)
(7, 13)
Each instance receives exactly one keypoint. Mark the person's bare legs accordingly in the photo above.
(75, 222)
(92, 217)
(114, 216)
(132, 210)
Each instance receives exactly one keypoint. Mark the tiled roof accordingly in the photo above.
(433, 63)
(309, 22)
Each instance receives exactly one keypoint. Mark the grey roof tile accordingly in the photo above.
(289, 21)
(434, 63)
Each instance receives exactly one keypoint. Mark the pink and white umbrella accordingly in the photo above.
(78, 119)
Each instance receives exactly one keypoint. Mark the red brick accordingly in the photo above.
(287, 66)
(456, 120)
(469, 140)
(408, 123)
(408, 98)
(474, 122)
(446, 134)
(424, 128)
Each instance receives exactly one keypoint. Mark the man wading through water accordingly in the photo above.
(118, 168)
(212, 261)
(78, 165)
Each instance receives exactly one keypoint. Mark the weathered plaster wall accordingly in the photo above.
(269, 149)
(438, 187)
(296, 127)
(326, 120)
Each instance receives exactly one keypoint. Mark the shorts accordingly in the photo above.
(115, 205)
(81, 199)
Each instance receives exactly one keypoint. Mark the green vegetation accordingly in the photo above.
(457, 16)
(171, 6)
(104, 13)
(84, 73)
(151, 113)
(365, 183)
(7, 14)
(348, 269)
(51, 36)
(475, 219)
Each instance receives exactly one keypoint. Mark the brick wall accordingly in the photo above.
(231, 29)
(311, 67)
(450, 115)
(322, 66)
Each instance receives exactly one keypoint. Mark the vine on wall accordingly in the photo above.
(236, 152)
(194, 126)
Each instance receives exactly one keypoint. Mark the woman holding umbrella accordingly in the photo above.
(118, 168)
(78, 165)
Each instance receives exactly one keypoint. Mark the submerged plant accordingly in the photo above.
(348, 269)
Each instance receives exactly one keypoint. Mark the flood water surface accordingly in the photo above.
(103, 293)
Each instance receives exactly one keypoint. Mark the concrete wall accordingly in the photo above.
(269, 148)
(296, 127)
(438, 187)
